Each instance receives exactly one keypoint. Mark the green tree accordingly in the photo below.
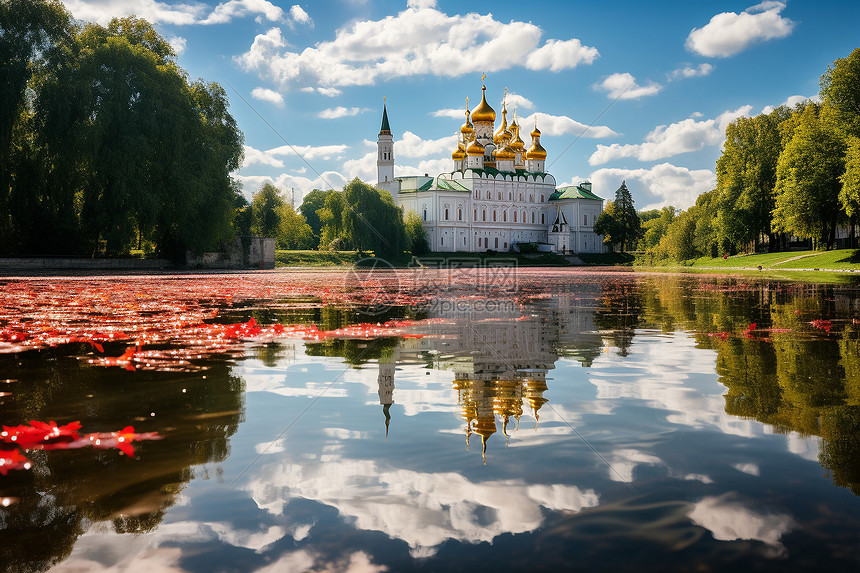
(746, 178)
(619, 223)
(372, 221)
(808, 178)
(294, 232)
(313, 202)
(840, 89)
(655, 226)
(267, 208)
(416, 236)
(332, 235)
(849, 194)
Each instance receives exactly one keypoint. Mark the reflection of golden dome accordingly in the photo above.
(534, 396)
(484, 113)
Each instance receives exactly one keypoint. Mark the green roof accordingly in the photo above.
(493, 171)
(385, 127)
(450, 185)
(574, 192)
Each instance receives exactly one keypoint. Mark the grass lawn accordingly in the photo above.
(315, 258)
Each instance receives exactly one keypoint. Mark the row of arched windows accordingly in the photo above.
(500, 196)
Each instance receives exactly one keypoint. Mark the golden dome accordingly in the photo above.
(503, 129)
(536, 151)
(484, 113)
(459, 154)
(475, 148)
(504, 153)
(467, 128)
(517, 144)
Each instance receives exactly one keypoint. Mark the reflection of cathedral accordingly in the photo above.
(500, 358)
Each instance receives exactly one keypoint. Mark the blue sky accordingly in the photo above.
(656, 81)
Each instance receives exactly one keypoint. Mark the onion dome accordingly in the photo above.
(500, 135)
(467, 129)
(484, 113)
(517, 144)
(536, 151)
(504, 153)
(475, 148)
(459, 154)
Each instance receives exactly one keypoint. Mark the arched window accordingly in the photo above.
(475, 218)
(541, 198)
(446, 213)
(585, 220)
(505, 216)
(486, 243)
(483, 214)
(464, 240)
(542, 222)
(460, 214)
(425, 214)
(515, 216)
(494, 215)
(500, 195)
(524, 215)
(531, 198)
(533, 217)
(442, 241)
(497, 243)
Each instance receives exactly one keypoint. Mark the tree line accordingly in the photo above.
(106, 145)
(359, 217)
(790, 173)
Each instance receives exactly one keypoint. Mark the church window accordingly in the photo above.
(497, 243)
(425, 214)
(500, 195)
(515, 216)
(542, 219)
(524, 215)
(531, 198)
(486, 243)
(494, 216)
(506, 244)
(446, 213)
(585, 220)
(521, 196)
(475, 218)
(541, 198)
(459, 214)
(505, 216)
(442, 241)
(483, 214)
(533, 217)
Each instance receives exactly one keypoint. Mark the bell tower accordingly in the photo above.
(385, 156)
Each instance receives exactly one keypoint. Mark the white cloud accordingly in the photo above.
(624, 86)
(729, 519)
(791, 102)
(178, 44)
(329, 92)
(729, 33)
(419, 40)
(517, 102)
(178, 14)
(340, 111)
(265, 94)
(227, 11)
(663, 184)
(411, 145)
(421, 4)
(287, 182)
(666, 141)
(691, 71)
(310, 152)
(450, 112)
(257, 157)
(299, 16)
(561, 125)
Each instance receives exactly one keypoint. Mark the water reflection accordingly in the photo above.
(609, 419)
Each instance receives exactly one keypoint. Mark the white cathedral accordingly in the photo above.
(498, 196)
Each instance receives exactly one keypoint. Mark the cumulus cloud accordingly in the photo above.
(340, 111)
(419, 40)
(729, 33)
(663, 184)
(183, 13)
(516, 101)
(310, 152)
(178, 44)
(624, 86)
(411, 145)
(791, 102)
(287, 182)
(669, 140)
(562, 125)
(257, 157)
(265, 94)
(691, 71)
(450, 112)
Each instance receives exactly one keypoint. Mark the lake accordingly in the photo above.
(437, 419)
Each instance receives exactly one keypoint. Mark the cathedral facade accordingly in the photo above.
(498, 195)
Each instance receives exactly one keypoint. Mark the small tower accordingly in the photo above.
(385, 157)
(536, 154)
(559, 233)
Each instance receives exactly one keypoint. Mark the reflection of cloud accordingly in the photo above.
(623, 462)
(728, 520)
(751, 469)
(423, 509)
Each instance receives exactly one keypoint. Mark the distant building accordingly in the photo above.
(498, 195)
